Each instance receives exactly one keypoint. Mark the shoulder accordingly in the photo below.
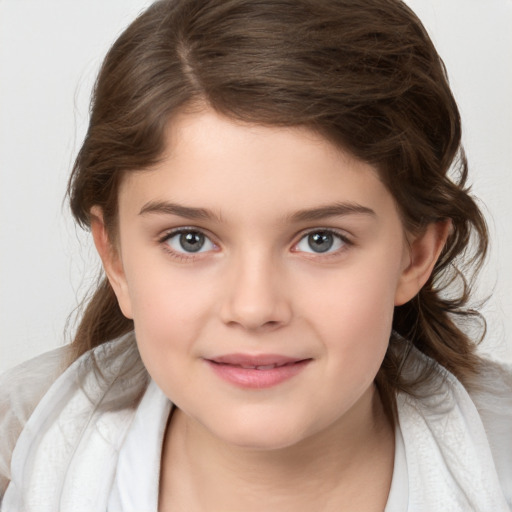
(491, 389)
(491, 392)
(21, 389)
(94, 398)
(470, 426)
(36, 395)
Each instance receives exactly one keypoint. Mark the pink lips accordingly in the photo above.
(257, 372)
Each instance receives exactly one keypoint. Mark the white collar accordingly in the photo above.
(136, 483)
(96, 435)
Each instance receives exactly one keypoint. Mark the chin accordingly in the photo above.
(257, 437)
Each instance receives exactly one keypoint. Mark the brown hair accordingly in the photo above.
(362, 73)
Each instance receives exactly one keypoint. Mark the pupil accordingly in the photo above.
(191, 242)
(320, 242)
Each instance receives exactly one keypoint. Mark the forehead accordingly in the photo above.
(230, 167)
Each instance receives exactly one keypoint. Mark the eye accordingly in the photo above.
(321, 241)
(189, 241)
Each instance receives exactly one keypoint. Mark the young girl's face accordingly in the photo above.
(261, 267)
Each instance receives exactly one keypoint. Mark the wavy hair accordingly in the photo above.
(362, 73)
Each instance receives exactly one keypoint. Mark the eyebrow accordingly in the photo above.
(187, 212)
(319, 213)
(331, 210)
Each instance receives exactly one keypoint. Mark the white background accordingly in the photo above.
(49, 54)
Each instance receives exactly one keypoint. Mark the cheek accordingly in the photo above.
(359, 296)
(353, 313)
(166, 305)
(171, 308)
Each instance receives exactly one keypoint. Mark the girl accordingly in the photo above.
(279, 324)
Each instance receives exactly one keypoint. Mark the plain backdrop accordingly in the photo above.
(49, 54)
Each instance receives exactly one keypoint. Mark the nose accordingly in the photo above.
(255, 296)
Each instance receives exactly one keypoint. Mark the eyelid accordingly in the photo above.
(165, 235)
(340, 234)
(183, 255)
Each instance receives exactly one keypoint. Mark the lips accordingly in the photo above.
(248, 361)
(261, 371)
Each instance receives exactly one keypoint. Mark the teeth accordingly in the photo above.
(262, 367)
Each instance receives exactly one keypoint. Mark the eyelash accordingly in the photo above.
(345, 241)
(191, 256)
(182, 256)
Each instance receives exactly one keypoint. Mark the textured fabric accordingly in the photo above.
(66, 455)
(135, 488)
(398, 499)
(94, 440)
(449, 461)
(21, 389)
(492, 396)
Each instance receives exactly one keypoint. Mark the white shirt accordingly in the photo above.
(453, 450)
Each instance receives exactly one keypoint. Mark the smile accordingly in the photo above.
(256, 372)
(263, 367)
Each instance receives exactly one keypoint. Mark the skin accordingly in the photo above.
(319, 440)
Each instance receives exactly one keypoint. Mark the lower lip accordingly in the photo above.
(257, 379)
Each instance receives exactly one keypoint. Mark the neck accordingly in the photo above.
(331, 467)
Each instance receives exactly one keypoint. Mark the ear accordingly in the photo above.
(420, 257)
(111, 260)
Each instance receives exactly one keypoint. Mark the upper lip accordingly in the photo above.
(252, 361)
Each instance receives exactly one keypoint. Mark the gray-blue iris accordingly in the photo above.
(192, 241)
(320, 241)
